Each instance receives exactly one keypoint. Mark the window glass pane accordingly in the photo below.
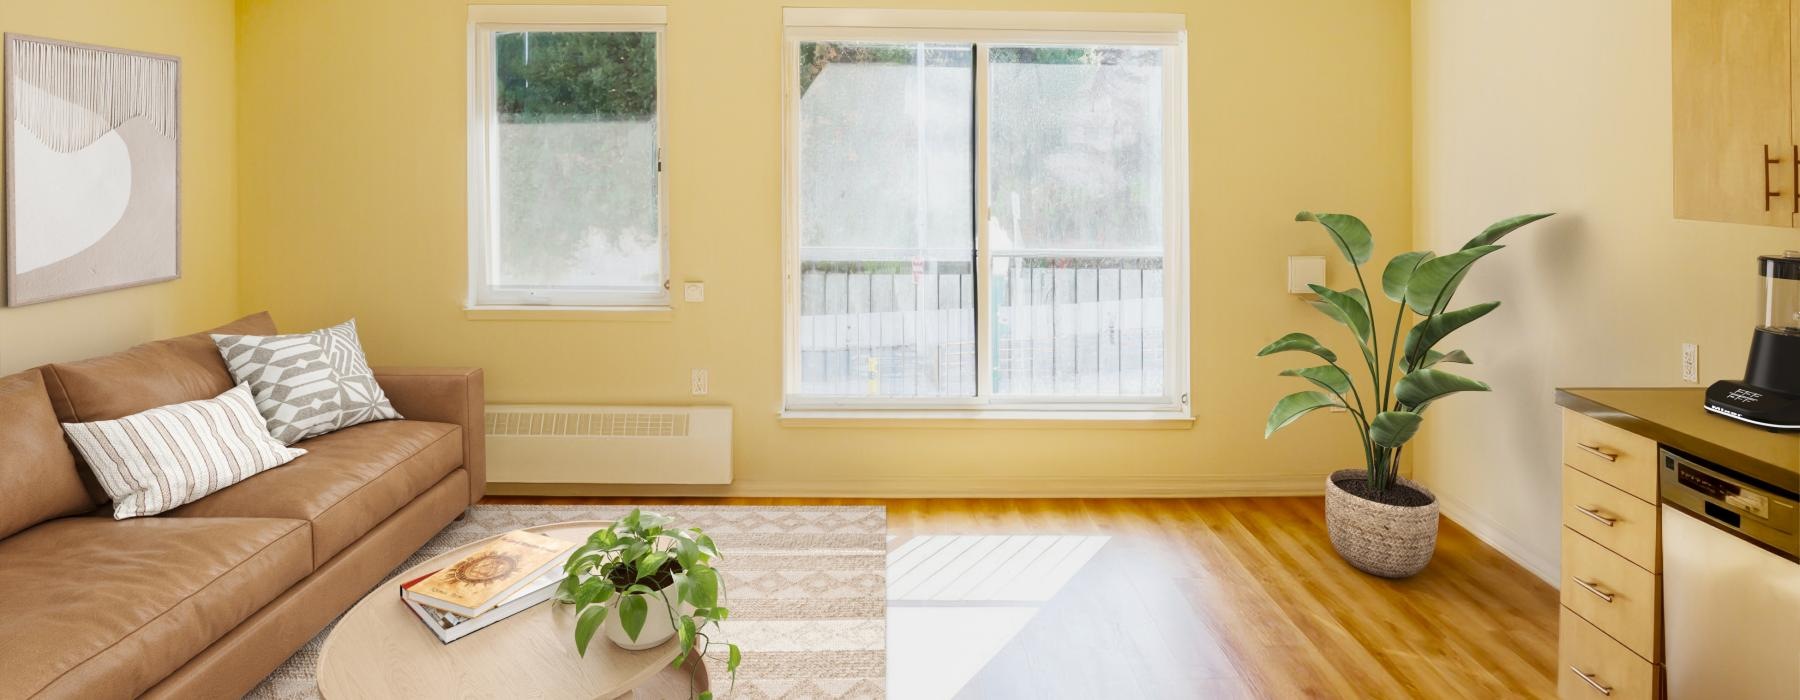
(1075, 149)
(574, 161)
(886, 220)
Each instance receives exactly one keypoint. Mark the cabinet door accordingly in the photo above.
(1732, 100)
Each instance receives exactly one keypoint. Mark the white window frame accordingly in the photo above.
(984, 28)
(484, 22)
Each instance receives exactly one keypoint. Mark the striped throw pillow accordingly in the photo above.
(156, 460)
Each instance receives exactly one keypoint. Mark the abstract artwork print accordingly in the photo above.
(93, 144)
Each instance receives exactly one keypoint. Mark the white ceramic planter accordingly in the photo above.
(657, 628)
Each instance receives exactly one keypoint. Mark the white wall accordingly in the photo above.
(1550, 105)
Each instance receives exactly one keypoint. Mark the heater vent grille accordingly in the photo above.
(586, 424)
(608, 444)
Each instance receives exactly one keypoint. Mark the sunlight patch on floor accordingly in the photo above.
(954, 601)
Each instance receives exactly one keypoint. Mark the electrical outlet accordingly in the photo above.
(699, 382)
(693, 291)
(1690, 363)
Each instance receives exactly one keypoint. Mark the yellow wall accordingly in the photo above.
(1561, 106)
(202, 33)
(352, 175)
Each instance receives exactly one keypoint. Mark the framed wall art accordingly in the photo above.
(92, 169)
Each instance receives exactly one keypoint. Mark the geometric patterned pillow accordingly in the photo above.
(307, 384)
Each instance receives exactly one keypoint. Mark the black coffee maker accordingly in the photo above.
(1769, 395)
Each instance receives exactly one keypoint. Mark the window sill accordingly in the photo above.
(989, 419)
(626, 314)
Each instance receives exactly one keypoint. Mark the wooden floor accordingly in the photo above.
(1208, 598)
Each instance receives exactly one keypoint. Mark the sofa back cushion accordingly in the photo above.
(157, 373)
(37, 472)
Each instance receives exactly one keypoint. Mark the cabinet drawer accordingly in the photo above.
(1584, 649)
(1611, 592)
(1613, 518)
(1613, 455)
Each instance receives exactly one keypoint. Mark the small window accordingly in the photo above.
(987, 210)
(566, 184)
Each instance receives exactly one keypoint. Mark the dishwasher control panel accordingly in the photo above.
(1760, 514)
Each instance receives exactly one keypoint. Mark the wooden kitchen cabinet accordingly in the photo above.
(1611, 586)
(1735, 126)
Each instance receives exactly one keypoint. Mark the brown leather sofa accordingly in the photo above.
(205, 600)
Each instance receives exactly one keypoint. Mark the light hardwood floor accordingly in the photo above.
(1197, 598)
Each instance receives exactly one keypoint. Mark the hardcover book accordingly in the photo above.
(449, 627)
(491, 574)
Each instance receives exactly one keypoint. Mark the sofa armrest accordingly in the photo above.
(445, 395)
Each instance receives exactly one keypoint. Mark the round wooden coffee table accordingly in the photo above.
(381, 650)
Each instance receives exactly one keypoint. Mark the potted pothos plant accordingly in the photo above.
(1379, 521)
(644, 580)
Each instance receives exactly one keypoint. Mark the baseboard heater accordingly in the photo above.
(609, 444)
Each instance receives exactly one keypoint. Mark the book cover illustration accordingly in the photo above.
(494, 569)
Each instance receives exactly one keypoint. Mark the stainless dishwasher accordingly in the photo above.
(1731, 584)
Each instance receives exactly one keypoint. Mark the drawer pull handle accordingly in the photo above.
(1595, 513)
(1598, 451)
(1592, 681)
(1594, 588)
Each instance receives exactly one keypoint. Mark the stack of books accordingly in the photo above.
(509, 575)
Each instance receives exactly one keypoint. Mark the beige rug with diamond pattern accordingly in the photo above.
(807, 588)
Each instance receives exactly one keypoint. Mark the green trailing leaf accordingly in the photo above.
(1348, 232)
(685, 635)
(1298, 342)
(1428, 332)
(1293, 406)
(1498, 230)
(650, 564)
(733, 657)
(586, 624)
(593, 590)
(1400, 271)
(1328, 377)
(1431, 282)
(565, 591)
(1393, 428)
(1423, 386)
(687, 552)
(632, 611)
(1347, 309)
(703, 591)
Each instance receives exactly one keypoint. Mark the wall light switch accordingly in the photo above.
(693, 291)
(1690, 363)
(1304, 270)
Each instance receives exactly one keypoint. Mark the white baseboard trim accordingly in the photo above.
(1487, 530)
(1144, 486)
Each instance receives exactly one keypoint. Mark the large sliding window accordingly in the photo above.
(985, 211)
(565, 176)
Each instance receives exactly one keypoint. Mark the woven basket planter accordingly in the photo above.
(1381, 539)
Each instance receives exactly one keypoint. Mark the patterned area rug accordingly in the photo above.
(806, 585)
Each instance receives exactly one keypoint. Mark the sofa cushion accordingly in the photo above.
(98, 608)
(307, 384)
(169, 455)
(346, 483)
(38, 480)
(153, 374)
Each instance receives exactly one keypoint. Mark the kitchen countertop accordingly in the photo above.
(1676, 417)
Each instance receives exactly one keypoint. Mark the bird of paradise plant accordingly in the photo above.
(1407, 379)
